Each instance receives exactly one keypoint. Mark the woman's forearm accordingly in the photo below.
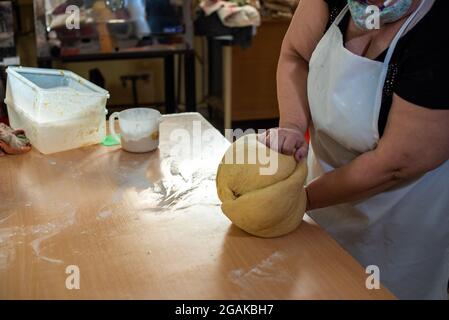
(304, 33)
(362, 178)
(404, 153)
(292, 91)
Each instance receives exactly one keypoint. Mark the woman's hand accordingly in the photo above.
(286, 141)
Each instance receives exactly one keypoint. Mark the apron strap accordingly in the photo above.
(341, 15)
(415, 17)
(421, 14)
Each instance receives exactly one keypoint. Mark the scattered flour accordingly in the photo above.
(7, 247)
(36, 245)
(268, 269)
(49, 230)
(104, 214)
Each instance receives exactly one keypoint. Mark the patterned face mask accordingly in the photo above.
(390, 11)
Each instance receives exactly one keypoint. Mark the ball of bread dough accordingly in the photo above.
(266, 206)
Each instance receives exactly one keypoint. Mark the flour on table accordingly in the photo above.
(49, 230)
(268, 269)
(104, 214)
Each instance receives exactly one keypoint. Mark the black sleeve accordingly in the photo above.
(336, 3)
(423, 69)
(335, 7)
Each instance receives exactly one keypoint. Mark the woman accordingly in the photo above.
(376, 102)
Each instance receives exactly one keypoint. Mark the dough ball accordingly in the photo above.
(266, 206)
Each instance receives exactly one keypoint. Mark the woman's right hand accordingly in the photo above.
(286, 141)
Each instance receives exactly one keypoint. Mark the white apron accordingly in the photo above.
(405, 231)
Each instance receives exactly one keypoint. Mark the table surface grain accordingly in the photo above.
(149, 226)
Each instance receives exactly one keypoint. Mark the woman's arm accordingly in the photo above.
(416, 141)
(304, 33)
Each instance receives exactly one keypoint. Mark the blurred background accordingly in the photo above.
(218, 58)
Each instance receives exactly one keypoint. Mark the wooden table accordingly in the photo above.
(149, 226)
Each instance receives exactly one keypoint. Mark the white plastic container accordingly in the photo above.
(58, 109)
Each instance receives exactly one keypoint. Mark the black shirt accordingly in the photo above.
(419, 68)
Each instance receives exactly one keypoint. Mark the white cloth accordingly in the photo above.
(405, 231)
(136, 10)
(231, 14)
